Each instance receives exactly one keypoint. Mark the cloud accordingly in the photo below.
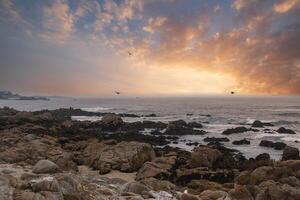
(286, 5)
(58, 22)
(254, 44)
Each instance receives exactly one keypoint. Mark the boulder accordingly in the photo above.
(213, 195)
(283, 130)
(125, 156)
(241, 142)
(265, 173)
(65, 162)
(290, 164)
(45, 167)
(194, 125)
(70, 186)
(201, 185)
(6, 190)
(186, 196)
(47, 183)
(275, 191)
(270, 144)
(112, 120)
(158, 185)
(240, 193)
(215, 139)
(136, 188)
(290, 153)
(180, 127)
(185, 176)
(204, 157)
(238, 130)
(159, 168)
(259, 124)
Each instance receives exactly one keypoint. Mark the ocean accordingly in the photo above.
(216, 113)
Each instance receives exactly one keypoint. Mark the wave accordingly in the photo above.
(96, 109)
(291, 138)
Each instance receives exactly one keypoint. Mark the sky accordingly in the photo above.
(150, 47)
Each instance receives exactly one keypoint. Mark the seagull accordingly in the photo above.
(232, 92)
(129, 53)
(118, 93)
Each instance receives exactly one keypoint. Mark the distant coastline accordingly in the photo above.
(8, 95)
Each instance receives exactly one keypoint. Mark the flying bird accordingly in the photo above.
(118, 93)
(232, 92)
(129, 53)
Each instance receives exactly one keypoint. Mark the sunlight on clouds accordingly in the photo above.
(286, 5)
(166, 47)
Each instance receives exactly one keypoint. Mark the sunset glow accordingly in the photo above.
(155, 47)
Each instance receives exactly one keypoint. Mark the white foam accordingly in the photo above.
(96, 109)
(262, 135)
(86, 118)
(291, 138)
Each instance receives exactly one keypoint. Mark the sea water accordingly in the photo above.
(216, 113)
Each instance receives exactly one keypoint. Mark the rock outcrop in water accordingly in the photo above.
(283, 130)
(238, 130)
(44, 155)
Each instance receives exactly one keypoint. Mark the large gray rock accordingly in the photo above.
(204, 157)
(159, 168)
(45, 167)
(290, 153)
(6, 190)
(112, 120)
(65, 162)
(47, 183)
(125, 156)
(136, 188)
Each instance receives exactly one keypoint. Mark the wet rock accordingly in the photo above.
(180, 127)
(194, 125)
(204, 157)
(215, 139)
(241, 142)
(151, 115)
(283, 130)
(112, 121)
(263, 157)
(125, 156)
(259, 124)
(129, 136)
(290, 153)
(45, 167)
(192, 143)
(184, 175)
(238, 130)
(151, 124)
(270, 144)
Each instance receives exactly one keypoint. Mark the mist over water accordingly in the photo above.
(215, 113)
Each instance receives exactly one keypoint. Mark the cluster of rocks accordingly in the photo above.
(46, 156)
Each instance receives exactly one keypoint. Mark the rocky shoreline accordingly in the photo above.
(44, 155)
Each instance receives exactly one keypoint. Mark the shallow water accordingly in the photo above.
(216, 114)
